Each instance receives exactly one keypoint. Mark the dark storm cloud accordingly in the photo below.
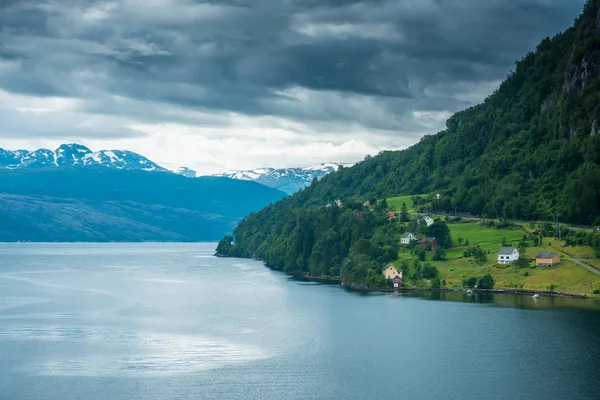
(373, 63)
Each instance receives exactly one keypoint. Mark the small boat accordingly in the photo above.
(536, 296)
(470, 291)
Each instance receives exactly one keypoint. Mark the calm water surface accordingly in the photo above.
(165, 321)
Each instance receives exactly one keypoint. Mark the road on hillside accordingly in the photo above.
(582, 264)
(515, 221)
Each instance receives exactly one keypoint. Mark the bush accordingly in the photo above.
(596, 291)
(430, 272)
(470, 282)
(440, 254)
(476, 252)
(486, 282)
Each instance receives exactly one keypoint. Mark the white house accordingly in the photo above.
(407, 238)
(508, 255)
(427, 220)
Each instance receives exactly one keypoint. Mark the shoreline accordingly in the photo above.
(366, 288)
(519, 292)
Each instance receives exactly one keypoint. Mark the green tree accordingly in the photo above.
(470, 282)
(522, 262)
(440, 254)
(404, 213)
(225, 246)
(439, 229)
(430, 271)
(486, 282)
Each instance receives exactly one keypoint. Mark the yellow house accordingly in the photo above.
(389, 271)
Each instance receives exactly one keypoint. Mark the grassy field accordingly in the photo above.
(487, 238)
(566, 277)
(396, 202)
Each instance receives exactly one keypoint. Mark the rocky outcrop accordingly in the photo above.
(595, 128)
(578, 75)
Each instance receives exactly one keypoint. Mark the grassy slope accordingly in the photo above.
(396, 202)
(566, 277)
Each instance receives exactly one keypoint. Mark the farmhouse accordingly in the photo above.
(508, 255)
(427, 219)
(389, 271)
(430, 241)
(398, 280)
(407, 238)
(547, 259)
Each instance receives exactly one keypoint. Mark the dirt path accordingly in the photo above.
(582, 264)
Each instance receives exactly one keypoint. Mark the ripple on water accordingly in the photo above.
(132, 353)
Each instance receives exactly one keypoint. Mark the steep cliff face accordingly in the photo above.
(578, 76)
(584, 65)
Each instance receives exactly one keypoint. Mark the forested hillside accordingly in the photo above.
(530, 151)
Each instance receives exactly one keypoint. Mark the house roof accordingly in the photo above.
(546, 254)
(429, 240)
(407, 235)
(506, 251)
(387, 266)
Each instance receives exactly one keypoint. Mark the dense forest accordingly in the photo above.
(530, 151)
(348, 240)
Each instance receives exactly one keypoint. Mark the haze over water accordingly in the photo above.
(162, 321)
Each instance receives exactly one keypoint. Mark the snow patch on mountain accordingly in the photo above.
(289, 180)
(69, 155)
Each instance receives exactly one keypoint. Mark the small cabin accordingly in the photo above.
(398, 280)
(389, 271)
(391, 214)
(547, 259)
(430, 241)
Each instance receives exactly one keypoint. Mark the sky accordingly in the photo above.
(234, 84)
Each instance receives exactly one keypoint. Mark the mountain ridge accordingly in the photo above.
(69, 155)
(289, 180)
(105, 204)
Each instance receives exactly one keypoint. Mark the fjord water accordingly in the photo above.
(169, 321)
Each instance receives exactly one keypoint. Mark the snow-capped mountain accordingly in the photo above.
(288, 180)
(68, 155)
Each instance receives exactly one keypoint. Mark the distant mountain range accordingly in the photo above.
(118, 204)
(76, 194)
(288, 180)
(70, 155)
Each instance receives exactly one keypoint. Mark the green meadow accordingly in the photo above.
(396, 202)
(565, 277)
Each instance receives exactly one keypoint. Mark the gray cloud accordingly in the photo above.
(378, 64)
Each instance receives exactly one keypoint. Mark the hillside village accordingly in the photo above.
(487, 254)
